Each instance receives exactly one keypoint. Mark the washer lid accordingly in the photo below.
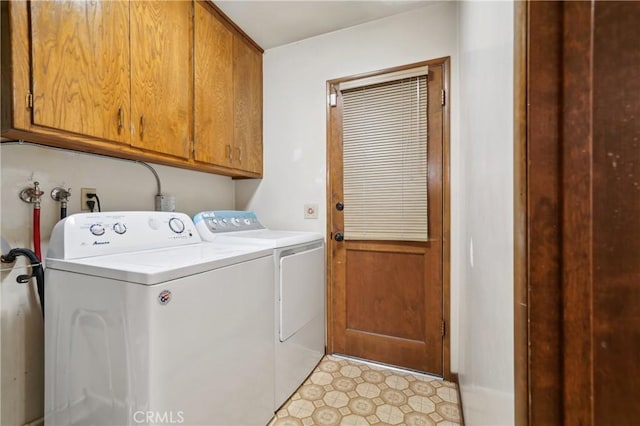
(156, 266)
(269, 238)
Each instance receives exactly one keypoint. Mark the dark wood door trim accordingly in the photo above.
(576, 213)
(538, 282)
(521, 376)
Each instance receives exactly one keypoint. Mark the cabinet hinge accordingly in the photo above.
(443, 98)
(444, 328)
(29, 100)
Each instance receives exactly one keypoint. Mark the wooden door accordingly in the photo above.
(213, 94)
(161, 76)
(247, 90)
(578, 217)
(80, 67)
(386, 297)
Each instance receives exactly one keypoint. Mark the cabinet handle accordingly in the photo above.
(141, 126)
(239, 155)
(120, 120)
(229, 152)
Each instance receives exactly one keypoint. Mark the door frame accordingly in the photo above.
(553, 250)
(444, 62)
(538, 339)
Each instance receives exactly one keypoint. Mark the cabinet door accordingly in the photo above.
(161, 76)
(213, 136)
(80, 67)
(247, 88)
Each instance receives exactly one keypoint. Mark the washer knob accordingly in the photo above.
(235, 221)
(97, 229)
(154, 223)
(176, 225)
(119, 228)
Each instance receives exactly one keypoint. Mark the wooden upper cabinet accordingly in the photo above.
(161, 76)
(171, 82)
(80, 67)
(228, 95)
(247, 91)
(213, 93)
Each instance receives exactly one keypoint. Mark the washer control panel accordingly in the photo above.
(93, 234)
(219, 221)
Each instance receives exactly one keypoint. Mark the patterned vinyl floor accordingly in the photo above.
(347, 392)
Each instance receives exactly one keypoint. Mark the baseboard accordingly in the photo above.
(453, 377)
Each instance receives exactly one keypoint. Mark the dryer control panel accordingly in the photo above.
(96, 234)
(220, 221)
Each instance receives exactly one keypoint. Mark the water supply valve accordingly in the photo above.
(32, 195)
(61, 194)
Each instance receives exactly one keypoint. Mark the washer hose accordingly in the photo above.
(37, 271)
(36, 230)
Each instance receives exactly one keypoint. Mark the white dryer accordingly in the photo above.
(299, 282)
(145, 324)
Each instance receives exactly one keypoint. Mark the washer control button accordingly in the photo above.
(97, 229)
(119, 228)
(176, 225)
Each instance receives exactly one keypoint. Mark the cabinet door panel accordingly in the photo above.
(247, 84)
(161, 76)
(80, 67)
(213, 137)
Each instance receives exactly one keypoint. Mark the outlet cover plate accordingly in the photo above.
(84, 199)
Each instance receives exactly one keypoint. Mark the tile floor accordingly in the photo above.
(347, 392)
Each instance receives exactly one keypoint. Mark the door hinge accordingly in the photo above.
(443, 98)
(29, 100)
(444, 328)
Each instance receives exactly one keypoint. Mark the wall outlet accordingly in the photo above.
(310, 211)
(83, 199)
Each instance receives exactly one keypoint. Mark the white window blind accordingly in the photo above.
(384, 134)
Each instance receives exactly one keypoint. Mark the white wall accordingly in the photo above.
(121, 185)
(486, 142)
(295, 77)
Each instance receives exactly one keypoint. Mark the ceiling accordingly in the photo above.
(274, 23)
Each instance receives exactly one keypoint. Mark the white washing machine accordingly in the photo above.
(145, 324)
(299, 281)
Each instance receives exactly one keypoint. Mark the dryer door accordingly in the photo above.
(301, 290)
